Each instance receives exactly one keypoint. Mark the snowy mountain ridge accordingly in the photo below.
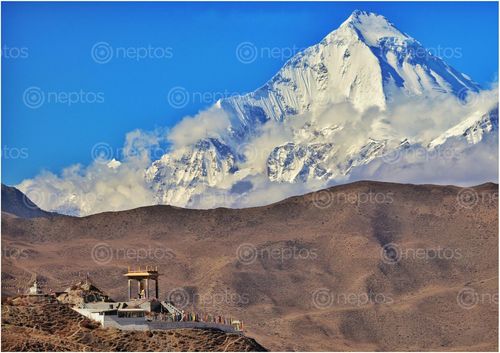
(366, 63)
(333, 113)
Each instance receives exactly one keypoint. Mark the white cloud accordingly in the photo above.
(454, 163)
(209, 123)
(98, 187)
(121, 184)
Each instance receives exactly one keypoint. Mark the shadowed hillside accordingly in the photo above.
(18, 204)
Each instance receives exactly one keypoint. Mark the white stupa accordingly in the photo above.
(34, 289)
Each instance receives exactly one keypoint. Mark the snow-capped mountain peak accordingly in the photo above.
(366, 63)
(332, 113)
(319, 94)
(371, 27)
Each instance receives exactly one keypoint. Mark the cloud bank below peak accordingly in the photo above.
(110, 185)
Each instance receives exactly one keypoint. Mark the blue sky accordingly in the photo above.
(88, 99)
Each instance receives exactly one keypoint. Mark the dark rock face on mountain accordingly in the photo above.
(18, 204)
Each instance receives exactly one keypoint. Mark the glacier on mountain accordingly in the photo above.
(336, 112)
(340, 102)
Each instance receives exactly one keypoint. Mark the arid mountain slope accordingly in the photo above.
(364, 266)
(18, 204)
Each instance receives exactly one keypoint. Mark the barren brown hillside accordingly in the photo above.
(364, 266)
(55, 327)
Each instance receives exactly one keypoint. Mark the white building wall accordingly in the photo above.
(91, 315)
(141, 324)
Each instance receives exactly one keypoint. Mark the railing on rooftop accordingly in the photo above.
(147, 269)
